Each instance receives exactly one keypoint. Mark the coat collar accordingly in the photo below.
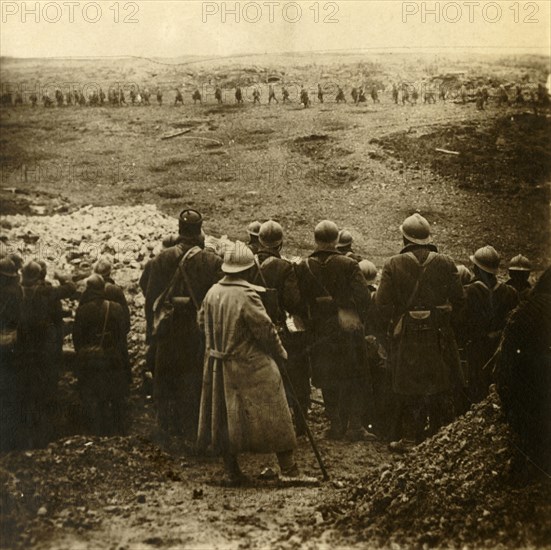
(226, 281)
(413, 247)
(324, 253)
(269, 252)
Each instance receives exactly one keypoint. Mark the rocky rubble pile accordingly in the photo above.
(64, 483)
(461, 488)
(71, 243)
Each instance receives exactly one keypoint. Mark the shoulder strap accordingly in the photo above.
(259, 267)
(307, 263)
(423, 266)
(104, 322)
(189, 254)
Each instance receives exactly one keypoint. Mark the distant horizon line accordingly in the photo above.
(489, 50)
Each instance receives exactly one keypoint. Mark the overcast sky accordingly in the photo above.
(174, 28)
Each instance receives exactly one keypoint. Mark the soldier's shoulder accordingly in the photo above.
(444, 258)
(209, 255)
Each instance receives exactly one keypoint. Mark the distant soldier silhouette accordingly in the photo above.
(122, 99)
(196, 97)
(18, 99)
(320, 94)
(395, 93)
(405, 95)
(271, 94)
(285, 93)
(479, 100)
(218, 95)
(354, 94)
(159, 96)
(502, 96)
(375, 95)
(463, 93)
(414, 96)
(59, 97)
(101, 96)
(361, 96)
(256, 96)
(238, 96)
(47, 100)
(519, 99)
(146, 95)
(81, 99)
(133, 96)
(304, 99)
(340, 96)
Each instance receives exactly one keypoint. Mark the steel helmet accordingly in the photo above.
(345, 239)
(253, 228)
(103, 267)
(326, 232)
(487, 259)
(369, 271)
(237, 258)
(520, 263)
(270, 234)
(7, 268)
(95, 282)
(416, 229)
(30, 274)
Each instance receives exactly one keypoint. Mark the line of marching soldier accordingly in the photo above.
(395, 362)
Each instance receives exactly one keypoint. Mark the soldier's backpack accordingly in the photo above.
(347, 317)
(164, 306)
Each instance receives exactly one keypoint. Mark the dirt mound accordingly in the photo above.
(458, 488)
(510, 154)
(60, 483)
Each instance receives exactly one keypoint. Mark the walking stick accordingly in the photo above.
(303, 418)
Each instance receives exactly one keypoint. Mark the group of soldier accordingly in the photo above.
(402, 93)
(237, 338)
(32, 332)
(234, 359)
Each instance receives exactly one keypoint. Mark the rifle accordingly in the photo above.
(283, 369)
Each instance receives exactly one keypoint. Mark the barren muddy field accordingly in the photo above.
(82, 180)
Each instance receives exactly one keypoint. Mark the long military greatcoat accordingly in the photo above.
(179, 351)
(336, 355)
(423, 352)
(243, 404)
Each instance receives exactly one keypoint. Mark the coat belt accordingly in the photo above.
(219, 354)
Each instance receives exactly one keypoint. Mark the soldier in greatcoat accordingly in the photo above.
(37, 340)
(519, 275)
(99, 336)
(418, 294)
(487, 307)
(243, 404)
(337, 297)
(10, 310)
(177, 281)
(287, 313)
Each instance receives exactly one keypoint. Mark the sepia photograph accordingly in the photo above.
(275, 274)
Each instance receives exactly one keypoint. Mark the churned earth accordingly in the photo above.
(82, 182)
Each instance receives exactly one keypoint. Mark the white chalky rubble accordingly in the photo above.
(129, 236)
